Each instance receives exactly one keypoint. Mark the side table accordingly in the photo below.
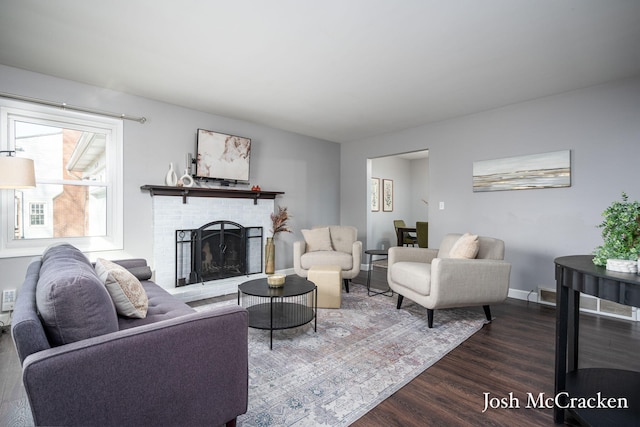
(372, 253)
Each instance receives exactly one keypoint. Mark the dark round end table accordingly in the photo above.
(292, 305)
(372, 253)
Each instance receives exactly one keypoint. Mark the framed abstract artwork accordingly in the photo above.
(222, 157)
(546, 170)
(375, 194)
(387, 195)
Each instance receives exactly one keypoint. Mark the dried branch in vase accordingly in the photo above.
(279, 221)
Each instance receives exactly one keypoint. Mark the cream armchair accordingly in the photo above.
(329, 245)
(449, 277)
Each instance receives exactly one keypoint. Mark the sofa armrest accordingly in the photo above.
(411, 254)
(189, 370)
(469, 281)
(131, 262)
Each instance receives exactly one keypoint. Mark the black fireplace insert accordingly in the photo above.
(217, 250)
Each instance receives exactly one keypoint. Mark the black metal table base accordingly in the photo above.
(295, 304)
(371, 253)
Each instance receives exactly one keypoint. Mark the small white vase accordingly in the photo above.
(186, 179)
(622, 265)
(171, 179)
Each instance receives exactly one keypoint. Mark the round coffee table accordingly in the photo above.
(292, 305)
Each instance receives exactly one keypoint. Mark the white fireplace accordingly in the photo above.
(171, 214)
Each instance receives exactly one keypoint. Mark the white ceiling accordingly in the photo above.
(340, 70)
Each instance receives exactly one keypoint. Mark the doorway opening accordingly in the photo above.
(405, 176)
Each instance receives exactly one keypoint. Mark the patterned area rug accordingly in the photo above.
(361, 354)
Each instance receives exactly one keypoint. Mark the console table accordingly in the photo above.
(574, 275)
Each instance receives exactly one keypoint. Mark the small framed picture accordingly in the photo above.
(387, 195)
(375, 194)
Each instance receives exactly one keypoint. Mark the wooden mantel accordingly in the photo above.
(184, 192)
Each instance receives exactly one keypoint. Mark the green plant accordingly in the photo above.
(620, 231)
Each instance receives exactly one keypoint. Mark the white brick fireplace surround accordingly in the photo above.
(171, 214)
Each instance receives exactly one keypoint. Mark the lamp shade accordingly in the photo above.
(16, 172)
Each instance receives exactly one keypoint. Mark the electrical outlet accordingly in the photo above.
(8, 299)
(441, 206)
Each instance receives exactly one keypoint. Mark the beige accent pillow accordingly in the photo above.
(125, 289)
(318, 239)
(466, 246)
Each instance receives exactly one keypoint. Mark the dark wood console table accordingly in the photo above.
(574, 275)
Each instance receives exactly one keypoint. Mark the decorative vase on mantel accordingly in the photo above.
(269, 256)
(171, 179)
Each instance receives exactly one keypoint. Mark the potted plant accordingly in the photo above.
(621, 234)
(278, 225)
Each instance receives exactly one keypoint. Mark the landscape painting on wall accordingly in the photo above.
(546, 170)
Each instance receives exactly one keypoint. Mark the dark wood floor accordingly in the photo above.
(514, 353)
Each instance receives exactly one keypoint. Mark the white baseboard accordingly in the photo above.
(530, 296)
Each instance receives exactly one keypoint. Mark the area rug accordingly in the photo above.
(361, 354)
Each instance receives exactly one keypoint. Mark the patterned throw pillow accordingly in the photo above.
(466, 246)
(125, 289)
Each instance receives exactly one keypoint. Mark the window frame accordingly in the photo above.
(113, 128)
(42, 205)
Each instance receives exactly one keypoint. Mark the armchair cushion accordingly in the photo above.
(466, 246)
(125, 289)
(317, 239)
(414, 275)
(342, 238)
(309, 259)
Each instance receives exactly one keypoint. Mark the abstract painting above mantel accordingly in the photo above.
(545, 170)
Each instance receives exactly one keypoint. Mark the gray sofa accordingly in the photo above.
(83, 364)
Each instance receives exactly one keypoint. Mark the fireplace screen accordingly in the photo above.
(217, 250)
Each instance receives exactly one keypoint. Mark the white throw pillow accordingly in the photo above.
(466, 246)
(125, 289)
(318, 239)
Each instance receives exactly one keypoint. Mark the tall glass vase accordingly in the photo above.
(270, 256)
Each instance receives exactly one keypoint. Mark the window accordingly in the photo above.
(78, 194)
(36, 215)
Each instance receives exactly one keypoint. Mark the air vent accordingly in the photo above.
(592, 304)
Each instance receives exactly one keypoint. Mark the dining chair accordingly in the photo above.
(406, 238)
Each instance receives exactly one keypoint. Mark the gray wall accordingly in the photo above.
(326, 182)
(306, 169)
(601, 127)
(419, 189)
